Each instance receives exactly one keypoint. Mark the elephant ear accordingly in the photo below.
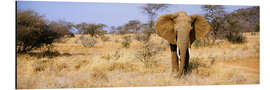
(200, 27)
(164, 27)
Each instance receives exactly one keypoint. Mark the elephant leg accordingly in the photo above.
(174, 58)
(187, 62)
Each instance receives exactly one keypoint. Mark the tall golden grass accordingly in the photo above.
(108, 64)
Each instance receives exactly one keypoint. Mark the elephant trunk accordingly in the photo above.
(183, 43)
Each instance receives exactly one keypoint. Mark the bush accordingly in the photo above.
(145, 55)
(62, 28)
(32, 32)
(126, 42)
(47, 53)
(105, 38)
(198, 43)
(147, 33)
(141, 37)
(235, 38)
(99, 75)
(94, 30)
(87, 42)
(234, 34)
(101, 33)
(257, 28)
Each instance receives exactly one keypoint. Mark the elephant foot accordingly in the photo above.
(174, 74)
(177, 75)
(180, 76)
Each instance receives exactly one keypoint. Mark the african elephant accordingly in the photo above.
(181, 30)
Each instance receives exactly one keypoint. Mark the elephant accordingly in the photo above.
(181, 30)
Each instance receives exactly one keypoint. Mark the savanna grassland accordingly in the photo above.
(109, 64)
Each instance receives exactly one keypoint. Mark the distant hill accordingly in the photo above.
(248, 18)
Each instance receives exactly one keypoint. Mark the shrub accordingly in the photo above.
(126, 42)
(93, 30)
(198, 43)
(107, 57)
(81, 63)
(234, 35)
(87, 42)
(235, 38)
(113, 56)
(32, 32)
(123, 67)
(99, 75)
(105, 38)
(116, 55)
(145, 55)
(101, 33)
(141, 37)
(62, 28)
(147, 33)
(257, 28)
(47, 53)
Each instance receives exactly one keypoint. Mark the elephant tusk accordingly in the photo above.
(178, 55)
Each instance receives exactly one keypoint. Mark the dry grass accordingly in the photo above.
(108, 64)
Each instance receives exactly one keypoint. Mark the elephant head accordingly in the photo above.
(181, 30)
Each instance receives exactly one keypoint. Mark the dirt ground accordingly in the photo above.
(109, 64)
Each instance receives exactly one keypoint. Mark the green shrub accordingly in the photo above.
(105, 38)
(32, 32)
(198, 43)
(126, 42)
(235, 38)
(257, 28)
(147, 33)
(141, 37)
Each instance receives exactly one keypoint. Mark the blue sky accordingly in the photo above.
(111, 14)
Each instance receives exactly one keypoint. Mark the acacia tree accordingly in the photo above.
(233, 28)
(151, 10)
(214, 15)
(61, 27)
(113, 29)
(134, 25)
(121, 30)
(93, 30)
(81, 27)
